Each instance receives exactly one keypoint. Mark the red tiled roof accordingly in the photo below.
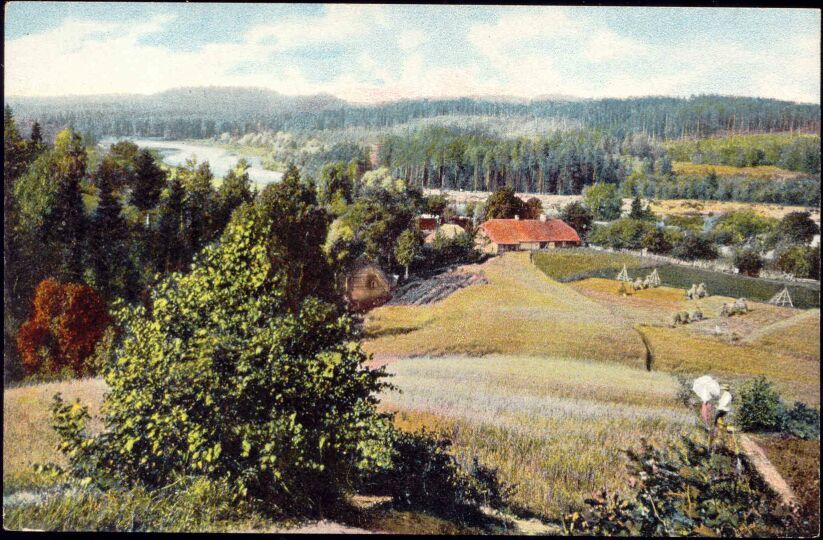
(515, 231)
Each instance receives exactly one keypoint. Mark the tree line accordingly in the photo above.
(202, 113)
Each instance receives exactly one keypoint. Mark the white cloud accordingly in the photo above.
(523, 52)
(608, 45)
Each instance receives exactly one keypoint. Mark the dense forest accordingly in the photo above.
(208, 112)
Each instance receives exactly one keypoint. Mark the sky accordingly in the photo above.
(370, 53)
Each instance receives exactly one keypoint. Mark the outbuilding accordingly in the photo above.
(367, 286)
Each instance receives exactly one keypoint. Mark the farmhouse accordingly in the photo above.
(367, 286)
(500, 235)
(427, 223)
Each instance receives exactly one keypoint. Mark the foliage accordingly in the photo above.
(801, 261)
(65, 225)
(748, 262)
(603, 200)
(579, 218)
(801, 190)
(624, 233)
(114, 276)
(335, 185)
(741, 226)
(801, 421)
(656, 241)
(65, 326)
(695, 246)
(149, 180)
(534, 208)
(760, 407)
(235, 191)
(220, 378)
(792, 152)
(297, 228)
(797, 228)
(686, 490)
(408, 244)
(447, 251)
(425, 475)
(504, 204)
(638, 211)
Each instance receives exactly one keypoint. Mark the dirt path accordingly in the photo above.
(767, 471)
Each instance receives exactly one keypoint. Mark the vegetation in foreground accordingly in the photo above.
(552, 427)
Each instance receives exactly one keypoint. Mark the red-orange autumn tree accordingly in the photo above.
(67, 322)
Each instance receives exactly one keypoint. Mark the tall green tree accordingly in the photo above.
(148, 182)
(297, 230)
(579, 218)
(170, 244)
(504, 204)
(14, 163)
(66, 225)
(797, 228)
(408, 244)
(603, 200)
(199, 205)
(108, 254)
(235, 190)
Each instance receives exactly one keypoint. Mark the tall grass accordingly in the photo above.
(555, 427)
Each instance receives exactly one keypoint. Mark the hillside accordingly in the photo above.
(206, 111)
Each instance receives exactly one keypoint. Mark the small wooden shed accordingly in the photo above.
(367, 286)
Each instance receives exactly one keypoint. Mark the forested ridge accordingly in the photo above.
(207, 112)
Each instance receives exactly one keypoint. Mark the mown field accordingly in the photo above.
(577, 264)
(520, 311)
(554, 427)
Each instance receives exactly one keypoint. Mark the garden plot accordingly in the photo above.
(436, 288)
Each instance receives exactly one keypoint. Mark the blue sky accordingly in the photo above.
(377, 52)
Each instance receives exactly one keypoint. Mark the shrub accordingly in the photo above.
(760, 407)
(622, 234)
(685, 491)
(801, 421)
(802, 261)
(220, 378)
(66, 325)
(425, 476)
(656, 241)
(693, 247)
(748, 262)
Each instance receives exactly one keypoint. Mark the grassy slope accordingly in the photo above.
(27, 435)
(555, 427)
(520, 311)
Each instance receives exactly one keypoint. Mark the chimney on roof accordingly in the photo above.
(516, 216)
(543, 218)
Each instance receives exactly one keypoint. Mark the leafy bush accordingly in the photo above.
(425, 476)
(684, 491)
(760, 407)
(66, 324)
(220, 378)
(748, 262)
(801, 421)
(693, 247)
(802, 261)
(624, 233)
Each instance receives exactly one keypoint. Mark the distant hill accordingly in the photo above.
(199, 112)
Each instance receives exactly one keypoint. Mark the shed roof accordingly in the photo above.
(515, 231)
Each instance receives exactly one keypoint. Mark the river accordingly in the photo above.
(175, 154)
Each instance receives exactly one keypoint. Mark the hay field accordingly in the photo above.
(520, 311)
(27, 434)
(555, 427)
(799, 335)
(567, 264)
